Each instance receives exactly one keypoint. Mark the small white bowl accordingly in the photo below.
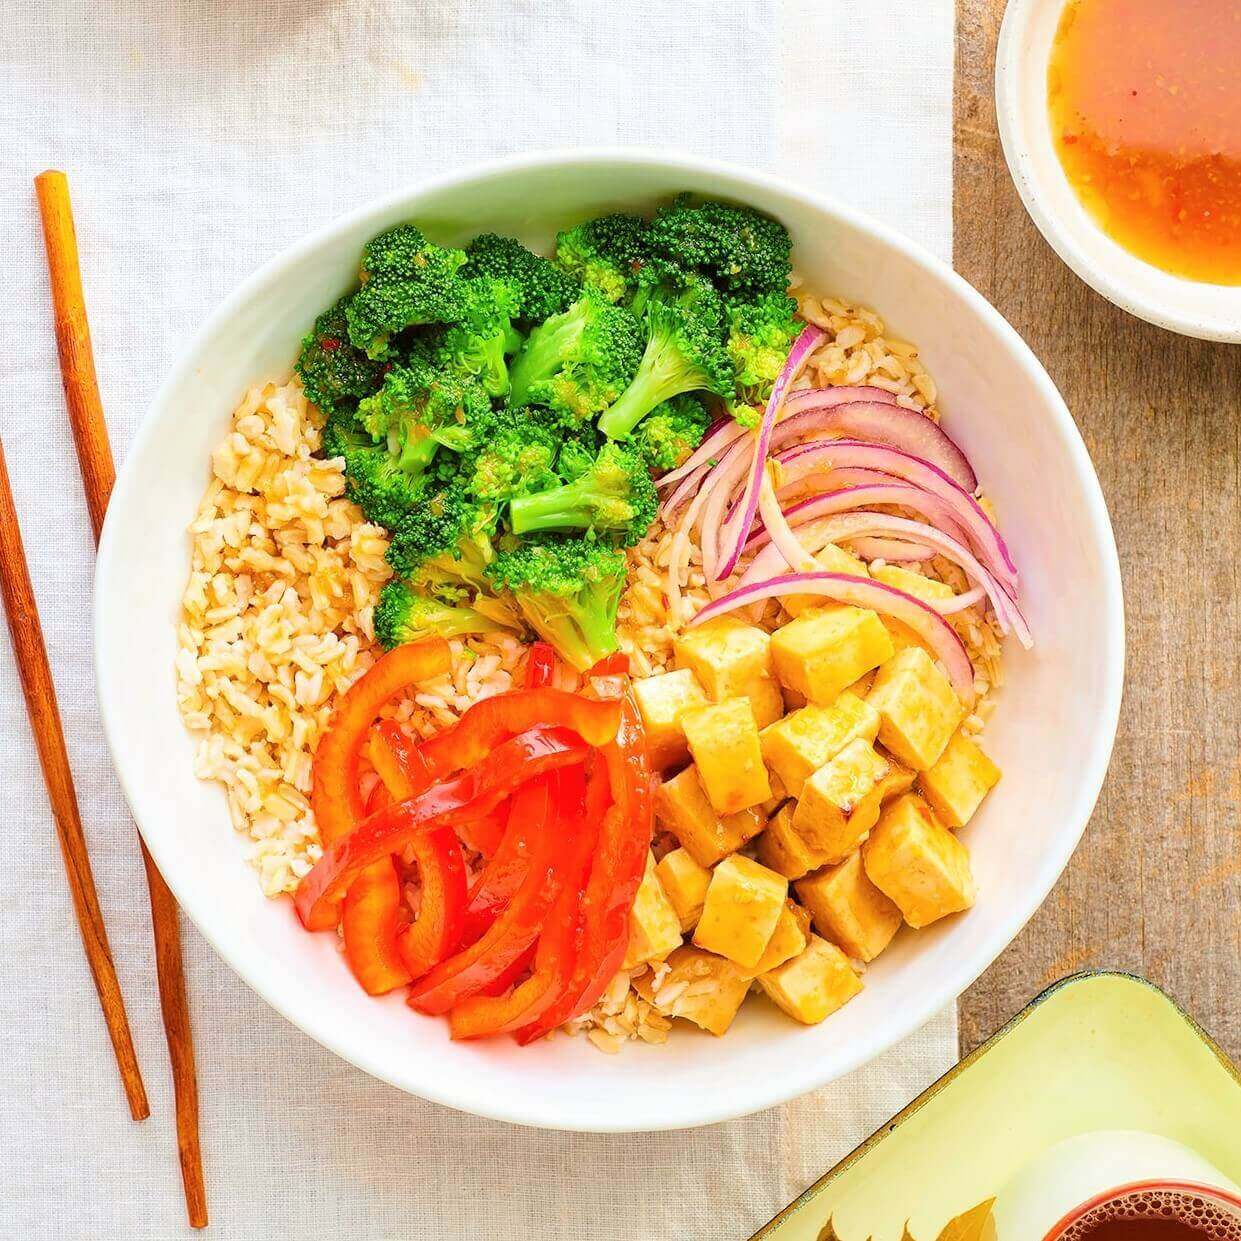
(1206, 311)
(1052, 731)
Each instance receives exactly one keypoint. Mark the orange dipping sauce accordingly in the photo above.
(1145, 105)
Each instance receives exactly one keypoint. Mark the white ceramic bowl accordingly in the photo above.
(1207, 311)
(1052, 732)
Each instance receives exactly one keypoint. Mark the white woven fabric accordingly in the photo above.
(201, 138)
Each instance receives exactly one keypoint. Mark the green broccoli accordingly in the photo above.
(607, 253)
(517, 457)
(671, 431)
(615, 495)
(404, 615)
(578, 362)
(419, 410)
(568, 590)
(760, 335)
(541, 288)
(406, 281)
(738, 248)
(684, 353)
(374, 480)
(479, 343)
(335, 375)
(444, 544)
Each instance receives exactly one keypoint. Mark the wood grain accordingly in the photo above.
(1155, 886)
(40, 693)
(94, 452)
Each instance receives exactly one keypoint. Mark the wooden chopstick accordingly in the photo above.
(40, 692)
(90, 435)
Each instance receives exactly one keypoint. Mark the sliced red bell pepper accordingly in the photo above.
(540, 665)
(370, 923)
(518, 926)
(475, 792)
(616, 871)
(479, 1016)
(487, 723)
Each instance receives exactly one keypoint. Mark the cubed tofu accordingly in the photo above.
(825, 650)
(916, 862)
(848, 909)
(840, 803)
(898, 780)
(831, 559)
(779, 794)
(925, 588)
(814, 984)
(782, 849)
(723, 738)
(958, 781)
(681, 805)
(654, 927)
(727, 655)
(861, 687)
(918, 708)
(766, 700)
(787, 940)
(795, 747)
(662, 700)
(742, 908)
(713, 992)
(685, 882)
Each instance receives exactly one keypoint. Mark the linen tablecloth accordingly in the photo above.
(200, 139)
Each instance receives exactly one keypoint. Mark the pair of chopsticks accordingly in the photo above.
(98, 474)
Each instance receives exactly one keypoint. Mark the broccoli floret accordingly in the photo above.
(671, 431)
(568, 591)
(477, 345)
(335, 374)
(518, 456)
(748, 416)
(444, 544)
(574, 459)
(615, 495)
(406, 281)
(607, 254)
(374, 480)
(760, 334)
(541, 288)
(404, 615)
(577, 363)
(420, 409)
(684, 353)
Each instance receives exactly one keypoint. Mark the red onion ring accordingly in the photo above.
(901, 551)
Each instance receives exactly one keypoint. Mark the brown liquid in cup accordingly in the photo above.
(1158, 1215)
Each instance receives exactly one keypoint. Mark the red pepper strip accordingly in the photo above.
(512, 974)
(620, 856)
(530, 754)
(334, 786)
(487, 723)
(540, 665)
(379, 797)
(485, 833)
(370, 922)
(616, 664)
(436, 932)
(512, 933)
(479, 1016)
(529, 810)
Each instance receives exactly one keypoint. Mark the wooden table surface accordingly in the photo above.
(1155, 886)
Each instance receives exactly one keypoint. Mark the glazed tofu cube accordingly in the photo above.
(861, 687)
(839, 803)
(681, 805)
(766, 700)
(814, 984)
(723, 738)
(779, 794)
(712, 991)
(848, 909)
(825, 650)
(727, 656)
(781, 849)
(918, 863)
(925, 588)
(686, 884)
(918, 709)
(787, 940)
(961, 777)
(654, 928)
(795, 747)
(742, 908)
(898, 780)
(662, 700)
(832, 559)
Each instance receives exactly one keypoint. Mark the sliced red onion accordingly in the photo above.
(719, 486)
(839, 394)
(898, 550)
(717, 438)
(805, 344)
(799, 560)
(931, 628)
(816, 455)
(880, 422)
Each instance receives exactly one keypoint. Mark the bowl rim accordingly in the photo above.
(704, 1107)
(1010, 63)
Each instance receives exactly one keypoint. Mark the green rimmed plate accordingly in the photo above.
(1097, 1050)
